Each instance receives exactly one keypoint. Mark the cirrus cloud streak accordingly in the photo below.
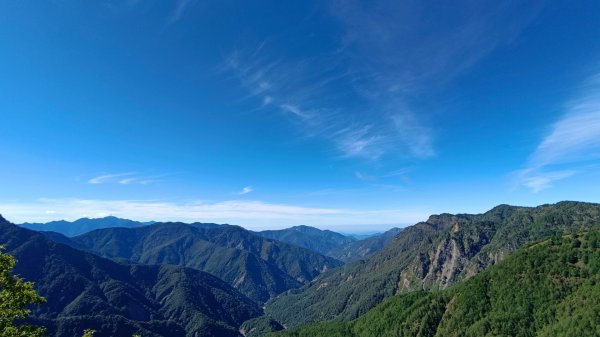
(571, 143)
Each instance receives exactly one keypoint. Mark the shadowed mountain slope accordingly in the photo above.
(87, 291)
(260, 268)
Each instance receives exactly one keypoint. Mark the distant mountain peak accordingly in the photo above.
(305, 228)
(315, 239)
(111, 217)
(83, 225)
(108, 217)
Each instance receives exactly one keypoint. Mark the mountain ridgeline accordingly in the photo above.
(83, 225)
(258, 267)
(512, 271)
(339, 246)
(85, 291)
(547, 289)
(430, 255)
(322, 241)
(359, 249)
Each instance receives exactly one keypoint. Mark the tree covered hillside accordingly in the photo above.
(321, 241)
(258, 267)
(85, 291)
(547, 289)
(430, 255)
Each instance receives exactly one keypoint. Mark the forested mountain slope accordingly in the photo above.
(321, 241)
(260, 268)
(86, 291)
(430, 255)
(547, 289)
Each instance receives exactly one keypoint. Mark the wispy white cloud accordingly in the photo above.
(127, 181)
(128, 178)
(361, 176)
(138, 180)
(360, 141)
(359, 96)
(418, 138)
(108, 178)
(253, 214)
(573, 141)
(245, 190)
(181, 7)
(576, 136)
(267, 100)
(398, 44)
(398, 173)
(294, 109)
(538, 181)
(368, 131)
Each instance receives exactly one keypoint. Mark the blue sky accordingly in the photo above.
(350, 115)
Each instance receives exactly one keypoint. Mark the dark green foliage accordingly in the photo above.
(16, 296)
(321, 241)
(536, 291)
(258, 267)
(430, 255)
(82, 225)
(85, 291)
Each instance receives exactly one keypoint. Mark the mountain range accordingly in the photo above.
(548, 289)
(85, 291)
(83, 225)
(450, 275)
(259, 267)
(322, 241)
(345, 248)
(358, 249)
(342, 247)
(430, 255)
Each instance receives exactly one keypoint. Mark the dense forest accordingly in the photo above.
(85, 291)
(430, 255)
(547, 289)
(512, 271)
(258, 267)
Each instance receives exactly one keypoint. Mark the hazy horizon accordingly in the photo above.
(353, 229)
(342, 229)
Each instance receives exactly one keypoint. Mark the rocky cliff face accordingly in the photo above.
(434, 254)
(467, 244)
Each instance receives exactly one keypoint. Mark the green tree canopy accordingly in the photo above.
(15, 296)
